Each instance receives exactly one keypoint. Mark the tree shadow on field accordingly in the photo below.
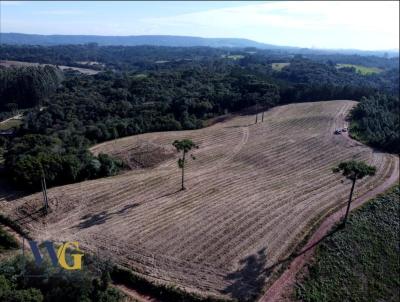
(126, 208)
(100, 218)
(31, 216)
(249, 280)
(172, 193)
(96, 219)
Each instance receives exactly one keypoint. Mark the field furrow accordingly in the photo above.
(252, 194)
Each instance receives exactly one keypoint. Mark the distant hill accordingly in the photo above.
(174, 41)
(179, 41)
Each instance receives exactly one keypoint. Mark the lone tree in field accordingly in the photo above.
(184, 146)
(353, 170)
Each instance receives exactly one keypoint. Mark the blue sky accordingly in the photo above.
(362, 25)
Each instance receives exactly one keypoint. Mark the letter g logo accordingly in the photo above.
(77, 256)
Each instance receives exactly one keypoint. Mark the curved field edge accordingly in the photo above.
(282, 285)
(360, 262)
(240, 179)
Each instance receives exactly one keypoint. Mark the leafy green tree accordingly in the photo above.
(105, 280)
(184, 146)
(24, 295)
(9, 293)
(27, 86)
(109, 166)
(26, 170)
(353, 170)
(4, 286)
(71, 166)
(95, 294)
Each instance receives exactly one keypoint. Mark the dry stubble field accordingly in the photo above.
(252, 194)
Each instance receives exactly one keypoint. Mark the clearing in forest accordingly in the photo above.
(279, 66)
(16, 64)
(361, 69)
(253, 193)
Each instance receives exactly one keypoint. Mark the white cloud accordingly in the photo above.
(64, 12)
(378, 19)
(324, 24)
(10, 3)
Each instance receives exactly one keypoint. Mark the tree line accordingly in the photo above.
(145, 57)
(376, 121)
(53, 140)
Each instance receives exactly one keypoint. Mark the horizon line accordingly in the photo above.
(201, 37)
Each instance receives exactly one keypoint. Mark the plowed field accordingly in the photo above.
(253, 193)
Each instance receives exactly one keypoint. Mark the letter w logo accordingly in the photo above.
(58, 258)
(50, 249)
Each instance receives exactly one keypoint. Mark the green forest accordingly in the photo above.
(27, 87)
(145, 88)
(376, 122)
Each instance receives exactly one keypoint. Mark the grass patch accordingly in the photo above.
(233, 57)
(361, 262)
(7, 242)
(360, 69)
(356, 133)
(13, 123)
(140, 76)
(279, 66)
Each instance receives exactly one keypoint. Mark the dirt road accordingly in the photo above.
(133, 294)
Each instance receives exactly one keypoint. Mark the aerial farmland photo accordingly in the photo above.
(199, 151)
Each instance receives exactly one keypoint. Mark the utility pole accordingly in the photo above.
(44, 190)
(23, 259)
(256, 112)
